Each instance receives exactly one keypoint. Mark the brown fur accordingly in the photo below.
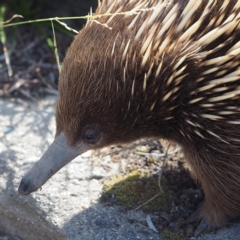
(96, 90)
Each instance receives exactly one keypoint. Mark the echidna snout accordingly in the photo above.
(162, 69)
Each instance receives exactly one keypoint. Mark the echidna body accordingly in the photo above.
(155, 68)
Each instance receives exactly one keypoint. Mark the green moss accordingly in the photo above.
(167, 235)
(136, 188)
(153, 160)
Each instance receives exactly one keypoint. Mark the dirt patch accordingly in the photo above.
(140, 183)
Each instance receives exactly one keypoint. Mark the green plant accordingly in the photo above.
(2, 31)
(3, 39)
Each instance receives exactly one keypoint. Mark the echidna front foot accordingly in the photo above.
(203, 220)
(195, 217)
(220, 184)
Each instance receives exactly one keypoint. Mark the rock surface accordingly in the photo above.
(67, 207)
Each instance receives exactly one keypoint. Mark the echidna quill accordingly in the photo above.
(164, 68)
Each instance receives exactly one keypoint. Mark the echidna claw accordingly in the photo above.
(194, 217)
(201, 227)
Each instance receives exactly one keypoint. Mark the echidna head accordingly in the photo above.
(116, 85)
(101, 102)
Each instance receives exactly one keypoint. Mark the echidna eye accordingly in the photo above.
(91, 135)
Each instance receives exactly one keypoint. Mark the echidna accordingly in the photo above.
(158, 68)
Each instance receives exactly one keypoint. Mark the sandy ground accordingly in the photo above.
(67, 207)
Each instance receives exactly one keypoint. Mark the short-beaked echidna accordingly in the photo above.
(158, 68)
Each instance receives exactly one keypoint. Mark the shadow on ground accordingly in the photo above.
(67, 207)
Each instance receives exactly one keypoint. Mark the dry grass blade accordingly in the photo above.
(78, 17)
(55, 48)
(66, 26)
(9, 20)
(104, 25)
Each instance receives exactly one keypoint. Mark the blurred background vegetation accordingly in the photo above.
(28, 68)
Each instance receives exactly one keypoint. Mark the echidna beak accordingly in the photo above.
(57, 156)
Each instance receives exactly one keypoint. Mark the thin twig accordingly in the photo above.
(151, 199)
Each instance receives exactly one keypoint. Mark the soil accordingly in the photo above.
(185, 195)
